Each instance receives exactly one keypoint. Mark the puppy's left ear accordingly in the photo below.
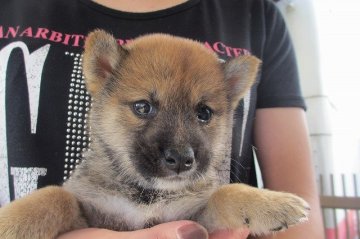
(240, 74)
(102, 56)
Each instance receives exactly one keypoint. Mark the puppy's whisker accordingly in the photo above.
(236, 176)
(237, 163)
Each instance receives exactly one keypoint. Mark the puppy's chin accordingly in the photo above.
(173, 183)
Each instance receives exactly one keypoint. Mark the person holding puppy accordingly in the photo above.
(44, 126)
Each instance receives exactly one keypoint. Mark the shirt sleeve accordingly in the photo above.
(279, 81)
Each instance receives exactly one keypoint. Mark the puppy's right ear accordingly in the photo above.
(101, 57)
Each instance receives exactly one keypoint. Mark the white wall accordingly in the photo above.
(339, 37)
(326, 36)
(300, 18)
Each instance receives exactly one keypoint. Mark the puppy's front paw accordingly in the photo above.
(262, 211)
(281, 211)
(44, 214)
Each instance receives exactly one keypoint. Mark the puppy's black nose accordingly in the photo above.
(179, 160)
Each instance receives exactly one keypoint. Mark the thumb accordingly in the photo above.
(171, 230)
(241, 233)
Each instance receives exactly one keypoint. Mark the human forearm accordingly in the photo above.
(313, 228)
(284, 153)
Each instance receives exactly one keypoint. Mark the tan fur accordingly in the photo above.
(110, 188)
(44, 214)
(259, 210)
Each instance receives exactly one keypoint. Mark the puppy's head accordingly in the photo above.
(163, 106)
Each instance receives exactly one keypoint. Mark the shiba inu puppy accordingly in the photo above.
(161, 123)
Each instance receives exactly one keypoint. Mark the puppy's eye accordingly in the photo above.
(204, 113)
(143, 108)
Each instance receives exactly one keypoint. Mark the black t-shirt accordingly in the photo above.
(44, 103)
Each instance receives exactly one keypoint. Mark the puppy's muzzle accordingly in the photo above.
(179, 160)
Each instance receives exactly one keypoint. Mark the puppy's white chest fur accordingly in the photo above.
(137, 216)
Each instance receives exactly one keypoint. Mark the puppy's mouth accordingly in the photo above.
(178, 181)
(167, 174)
(170, 166)
(177, 177)
(172, 163)
(184, 177)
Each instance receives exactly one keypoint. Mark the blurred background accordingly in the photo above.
(326, 36)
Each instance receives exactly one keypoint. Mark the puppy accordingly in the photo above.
(161, 123)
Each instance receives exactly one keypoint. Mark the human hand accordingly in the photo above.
(171, 230)
(230, 234)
